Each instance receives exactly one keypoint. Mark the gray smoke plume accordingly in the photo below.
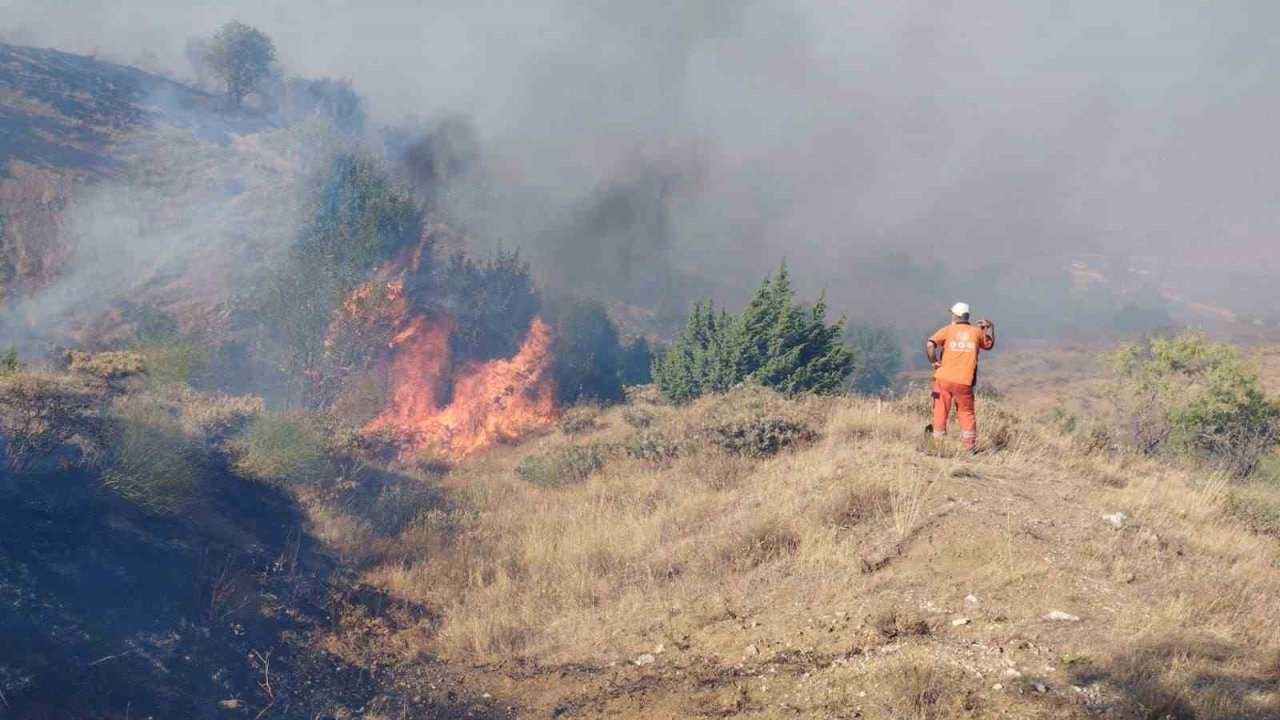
(900, 154)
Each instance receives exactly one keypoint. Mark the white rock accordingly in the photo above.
(645, 659)
(1062, 616)
(1116, 519)
(657, 649)
(997, 687)
(971, 600)
(1040, 688)
(960, 621)
(1012, 674)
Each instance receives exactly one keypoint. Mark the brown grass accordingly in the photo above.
(842, 561)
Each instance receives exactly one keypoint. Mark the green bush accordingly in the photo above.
(282, 449)
(155, 466)
(776, 342)
(568, 465)
(588, 355)
(1198, 397)
(353, 218)
(878, 359)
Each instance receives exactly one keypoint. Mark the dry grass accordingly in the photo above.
(711, 551)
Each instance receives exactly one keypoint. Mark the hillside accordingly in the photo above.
(115, 182)
(744, 556)
(862, 574)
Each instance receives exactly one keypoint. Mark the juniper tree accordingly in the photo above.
(776, 342)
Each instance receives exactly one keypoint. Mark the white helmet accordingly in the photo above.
(960, 309)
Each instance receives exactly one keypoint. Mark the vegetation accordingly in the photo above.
(336, 101)
(588, 355)
(878, 358)
(1186, 393)
(568, 465)
(11, 363)
(353, 219)
(154, 465)
(54, 419)
(241, 56)
(491, 304)
(282, 449)
(109, 367)
(776, 342)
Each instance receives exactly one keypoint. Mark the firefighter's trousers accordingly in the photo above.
(946, 393)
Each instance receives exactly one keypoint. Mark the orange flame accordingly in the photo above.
(493, 402)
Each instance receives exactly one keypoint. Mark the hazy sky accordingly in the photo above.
(955, 134)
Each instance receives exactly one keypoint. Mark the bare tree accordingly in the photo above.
(241, 56)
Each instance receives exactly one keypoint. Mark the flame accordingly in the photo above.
(491, 403)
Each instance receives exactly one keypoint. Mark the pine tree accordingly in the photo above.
(776, 342)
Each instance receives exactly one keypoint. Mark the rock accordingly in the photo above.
(1116, 519)
(230, 704)
(1011, 674)
(971, 600)
(1062, 616)
(645, 659)
(657, 649)
(751, 651)
(960, 621)
(997, 687)
(1040, 688)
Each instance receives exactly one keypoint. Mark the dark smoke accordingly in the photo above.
(899, 154)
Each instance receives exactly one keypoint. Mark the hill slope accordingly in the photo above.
(114, 181)
(865, 574)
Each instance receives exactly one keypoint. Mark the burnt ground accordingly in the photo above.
(107, 613)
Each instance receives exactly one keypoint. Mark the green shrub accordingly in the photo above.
(776, 342)
(1198, 397)
(282, 449)
(878, 358)
(155, 465)
(179, 359)
(568, 465)
(588, 355)
(11, 363)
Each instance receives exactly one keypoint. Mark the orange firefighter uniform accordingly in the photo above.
(955, 377)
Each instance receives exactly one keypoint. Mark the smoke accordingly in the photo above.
(900, 154)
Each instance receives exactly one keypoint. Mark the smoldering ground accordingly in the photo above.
(898, 154)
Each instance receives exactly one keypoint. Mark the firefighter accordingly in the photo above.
(953, 352)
